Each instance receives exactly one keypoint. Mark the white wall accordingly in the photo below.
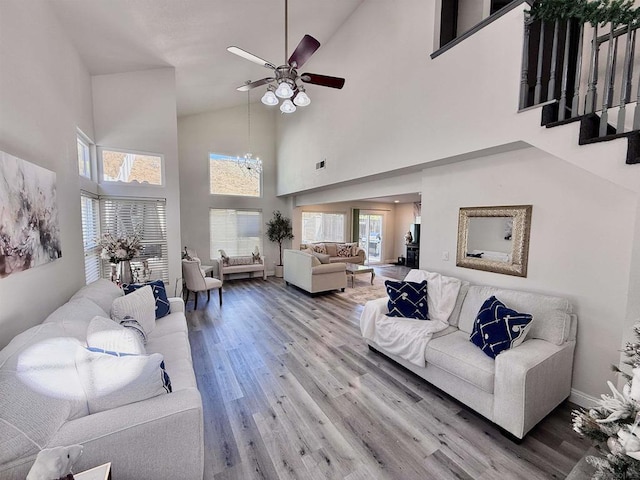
(137, 111)
(225, 132)
(45, 93)
(582, 235)
(463, 101)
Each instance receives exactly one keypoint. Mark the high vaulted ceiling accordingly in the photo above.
(115, 36)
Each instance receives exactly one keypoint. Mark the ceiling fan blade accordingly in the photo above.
(255, 84)
(251, 57)
(307, 47)
(324, 80)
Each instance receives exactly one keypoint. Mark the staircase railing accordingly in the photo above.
(553, 57)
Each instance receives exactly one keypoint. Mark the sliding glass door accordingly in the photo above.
(370, 236)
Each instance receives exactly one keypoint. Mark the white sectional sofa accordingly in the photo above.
(160, 437)
(305, 271)
(520, 386)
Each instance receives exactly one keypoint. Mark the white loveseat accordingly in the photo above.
(517, 389)
(160, 437)
(305, 271)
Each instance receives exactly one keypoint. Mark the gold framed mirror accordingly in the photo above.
(494, 239)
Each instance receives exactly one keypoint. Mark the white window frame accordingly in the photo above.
(215, 245)
(344, 226)
(102, 148)
(90, 236)
(232, 158)
(84, 139)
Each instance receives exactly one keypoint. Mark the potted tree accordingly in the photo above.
(278, 230)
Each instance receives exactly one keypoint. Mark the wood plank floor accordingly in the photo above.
(291, 391)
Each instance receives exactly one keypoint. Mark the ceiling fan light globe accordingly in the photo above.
(302, 99)
(269, 98)
(284, 90)
(287, 106)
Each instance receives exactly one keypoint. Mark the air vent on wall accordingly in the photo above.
(320, 165)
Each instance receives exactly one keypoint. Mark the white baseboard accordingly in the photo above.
(582, 399)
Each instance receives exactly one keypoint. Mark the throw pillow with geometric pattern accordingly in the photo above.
(407, 299)
(159, 293)
(320, 248)
(343, 250)
(498, 328)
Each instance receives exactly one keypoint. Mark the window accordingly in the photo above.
(323, 227)
(229, 177)
(237, 232)
(90, 233)
(84, 155)
(126, 216)
(131, 167)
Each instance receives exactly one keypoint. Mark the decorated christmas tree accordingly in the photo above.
(613, 425)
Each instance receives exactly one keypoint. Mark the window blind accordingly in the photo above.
(89, 206)
(323, 227)
(148, 217)
(237, 232)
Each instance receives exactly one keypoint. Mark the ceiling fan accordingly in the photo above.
(285, 82)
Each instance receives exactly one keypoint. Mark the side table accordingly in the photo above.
(101, 472)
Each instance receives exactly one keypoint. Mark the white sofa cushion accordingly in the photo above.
(455, 354)
(139, 305)
(28, 418)
(102, 292)
(75, 315)
(111, 381)
(106, 334)
(551, 315)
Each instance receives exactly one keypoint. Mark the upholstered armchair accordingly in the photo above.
(196, 281)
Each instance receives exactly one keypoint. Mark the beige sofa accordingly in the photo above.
(306, 272)
(235, 266)
(160, 437)
(518, 388)
(331, 249)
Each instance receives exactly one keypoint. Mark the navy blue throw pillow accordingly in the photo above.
(407, 299)
(159, 293)
(498, 328)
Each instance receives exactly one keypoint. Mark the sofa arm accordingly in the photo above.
(171, 424)
(328, 268)
(176, 304)
(530, 381)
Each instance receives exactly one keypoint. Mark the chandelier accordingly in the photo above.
(247, 162)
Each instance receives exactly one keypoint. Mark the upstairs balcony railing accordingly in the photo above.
(576, 71)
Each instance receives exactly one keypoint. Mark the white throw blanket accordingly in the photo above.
(406, 337)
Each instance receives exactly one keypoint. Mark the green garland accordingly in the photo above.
(595, 12)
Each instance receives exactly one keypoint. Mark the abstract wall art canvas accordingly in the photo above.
(29, 229)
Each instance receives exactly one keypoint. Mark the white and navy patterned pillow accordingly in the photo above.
(159, 294)
(133, 325)
(498, 328)
(407, 299)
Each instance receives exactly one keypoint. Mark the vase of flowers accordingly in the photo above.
(614, 424)
(120, 251)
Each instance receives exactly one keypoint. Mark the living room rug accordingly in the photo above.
(363, 291)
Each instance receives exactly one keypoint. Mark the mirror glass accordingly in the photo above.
(494, 239)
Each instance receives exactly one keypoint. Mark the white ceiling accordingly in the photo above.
(115, 36)
(401, 198)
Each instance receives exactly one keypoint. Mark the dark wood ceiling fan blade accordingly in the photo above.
(307, 47)
(257, 83)
(251, 57)
(324, 80)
